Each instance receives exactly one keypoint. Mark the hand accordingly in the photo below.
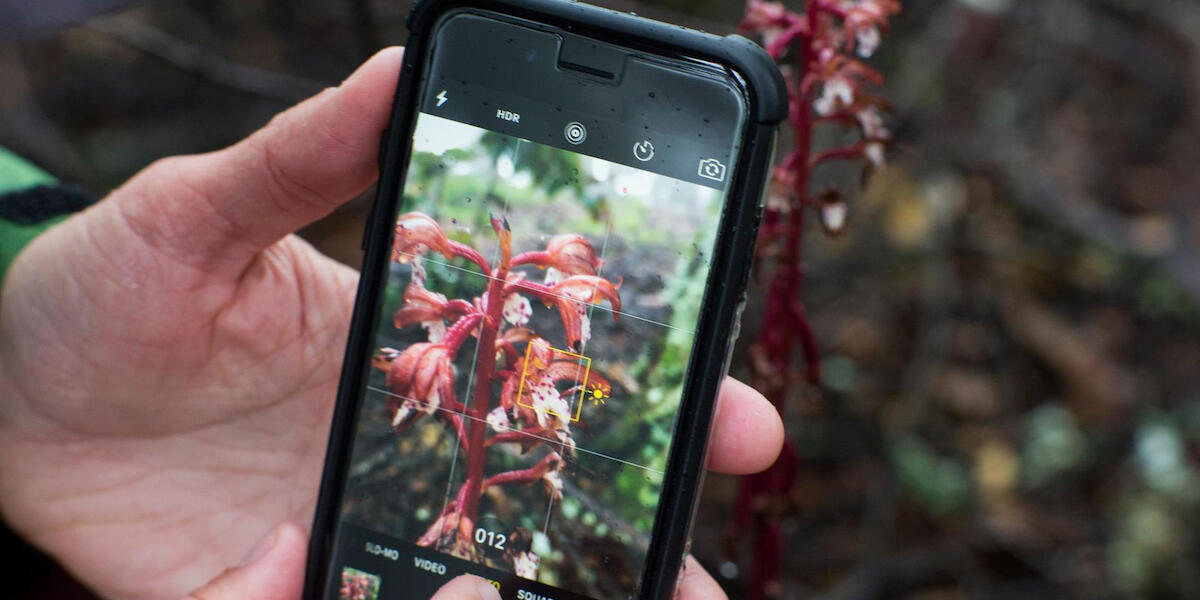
(169, 360)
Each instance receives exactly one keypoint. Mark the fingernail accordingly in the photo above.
(262, 548)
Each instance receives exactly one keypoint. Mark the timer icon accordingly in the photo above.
(643, 151)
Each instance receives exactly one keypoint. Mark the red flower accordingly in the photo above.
(771, 19)
(565, 255)
(420, 306)
(572, 297)
(417, 233)
(422, 377)
(866, 22)
(548, 471)
(429, 309)
(572, 254)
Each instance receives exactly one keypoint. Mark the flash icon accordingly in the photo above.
(442, 98)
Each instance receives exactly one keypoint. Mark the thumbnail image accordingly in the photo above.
(357, 585)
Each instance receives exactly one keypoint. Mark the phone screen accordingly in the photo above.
(548, 270)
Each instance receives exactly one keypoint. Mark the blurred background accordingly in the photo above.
(1009, 326)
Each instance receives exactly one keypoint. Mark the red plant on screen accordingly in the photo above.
(540, 386)
(358, 586)
(820, 51)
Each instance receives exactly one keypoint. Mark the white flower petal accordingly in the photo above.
(824, 104)
(874, 152)
(498, 419)
(871, 122)
(526, 564)
(418, 271)
(517, 309)
(834, 216)
(868, 41)
(436, 329)
(842, 90)
(554, 484)
(779, 203)
(585, 324)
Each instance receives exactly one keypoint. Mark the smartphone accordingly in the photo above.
(553, 276)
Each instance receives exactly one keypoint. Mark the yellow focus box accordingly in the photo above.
(557, 355)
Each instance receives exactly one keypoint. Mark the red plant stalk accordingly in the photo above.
(818, 42)
(485, 363)
(531, 411)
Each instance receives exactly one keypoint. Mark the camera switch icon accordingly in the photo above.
(711, 168)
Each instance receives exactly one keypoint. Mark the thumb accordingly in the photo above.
(308, 160)
(467, 587)
(274, 570)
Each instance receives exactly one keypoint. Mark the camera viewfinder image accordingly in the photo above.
(533, 341)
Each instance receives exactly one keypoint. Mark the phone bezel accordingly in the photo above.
(765, 92)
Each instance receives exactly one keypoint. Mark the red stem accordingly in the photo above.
(845, 153)
(529, 475)
(510, 353)
(484, 366)
(784, 315)
(470, 254)
(457, 423)
(458, 333)
(785, 40)
(522, 436)
(539, 290)
(542, 259)
(457, 308)
(802, 128)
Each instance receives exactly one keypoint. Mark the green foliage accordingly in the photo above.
(1054, 443)
(940, 485)
(839, 373)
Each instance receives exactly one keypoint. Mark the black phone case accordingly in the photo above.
(724, 296)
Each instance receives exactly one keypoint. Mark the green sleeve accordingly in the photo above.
(15, 175)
